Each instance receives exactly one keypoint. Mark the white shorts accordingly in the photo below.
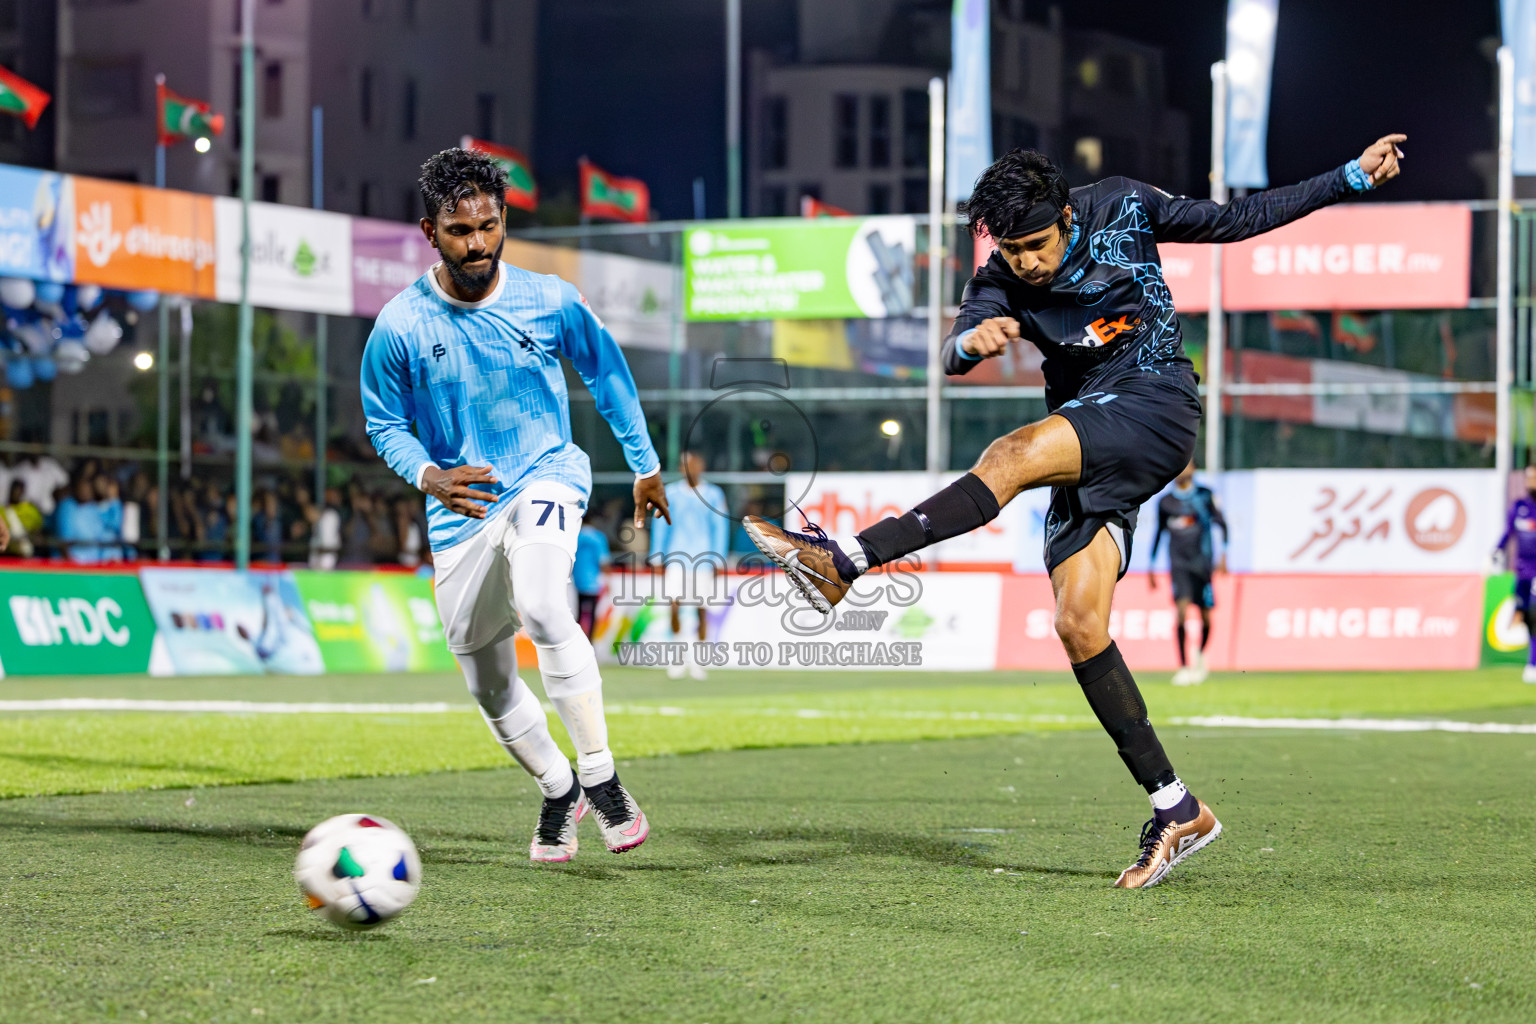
(473, 579)
(691, 583)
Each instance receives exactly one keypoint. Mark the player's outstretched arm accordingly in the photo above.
(605, 372)
(983, 328)
(1182, 219)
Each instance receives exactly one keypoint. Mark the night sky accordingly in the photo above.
(639, 87)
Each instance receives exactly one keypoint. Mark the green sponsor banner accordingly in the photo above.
(1505, 641)
(815, 269)
(64, 623)
(374, 622)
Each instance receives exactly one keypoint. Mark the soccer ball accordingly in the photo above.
(358, 870)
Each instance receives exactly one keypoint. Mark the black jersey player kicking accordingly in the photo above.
(1077, 273)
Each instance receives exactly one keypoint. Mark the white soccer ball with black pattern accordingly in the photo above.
(358, 870)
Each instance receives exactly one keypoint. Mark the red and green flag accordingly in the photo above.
(522, 191)
(606, 196)
(181, 118)
(813, 208)
(20, 98)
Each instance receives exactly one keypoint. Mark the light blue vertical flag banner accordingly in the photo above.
(969, 120)
(1250, 56)
(1519, 17)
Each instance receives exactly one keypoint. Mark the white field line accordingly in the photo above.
(244, 707)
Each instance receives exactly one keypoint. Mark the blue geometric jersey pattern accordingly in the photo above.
(1108, 308)
(700, 522)
(450, 383)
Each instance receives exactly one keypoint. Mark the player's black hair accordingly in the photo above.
(1006, 191)
(450, 177)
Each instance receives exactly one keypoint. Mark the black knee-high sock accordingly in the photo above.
(1112, 693)
(1178, 639)
(963, 506)
(1205, 633)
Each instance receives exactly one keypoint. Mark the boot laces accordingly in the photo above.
(554, 816)
(610, 801)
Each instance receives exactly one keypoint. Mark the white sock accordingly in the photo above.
(853, 549)
(575, 688)
(1169, 796)
(514, 715)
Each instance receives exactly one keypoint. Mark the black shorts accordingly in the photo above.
(1193, 586)
(1137, 431)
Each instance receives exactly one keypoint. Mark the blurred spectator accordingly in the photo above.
(25, 521)
(78, 523)
(43, 476)
(325, 531)
(592, 557)
(358, 531)
(410, 536)
(267, 529)
(109, 515)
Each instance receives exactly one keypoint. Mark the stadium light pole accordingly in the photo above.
(162, 384)
(733, 108)
(1216, 334)
(243, 351)
(935, 456)
(322, 323)
(1504, 317)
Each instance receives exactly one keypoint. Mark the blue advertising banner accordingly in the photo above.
(1519, 17)
(969, 118)
(223, 622)
(1250, 56)
(36, 218)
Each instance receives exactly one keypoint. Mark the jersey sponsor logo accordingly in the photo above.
(1104, 330)
(438, 351)
(522, 338)
(1524, 524)
(1092, 293)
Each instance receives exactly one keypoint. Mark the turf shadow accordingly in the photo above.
(269, 834)
(60, 762)
(328, 935)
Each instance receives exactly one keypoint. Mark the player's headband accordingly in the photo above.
(1037, 218)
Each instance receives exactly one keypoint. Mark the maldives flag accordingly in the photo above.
(522, 192)
(814, 208)
(20, 98)
(180, 118)
(610, 197)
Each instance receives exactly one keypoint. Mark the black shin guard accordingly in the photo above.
(1178, 640)
(1112, 694)
(963, 506)
(1205, 633)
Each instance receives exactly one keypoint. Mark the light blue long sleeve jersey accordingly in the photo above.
(481, 385)
(700, 521)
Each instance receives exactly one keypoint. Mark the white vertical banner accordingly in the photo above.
(1519, 18)
(1250, 56)
(970, 97)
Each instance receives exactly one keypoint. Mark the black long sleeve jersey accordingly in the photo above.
(1108, 309)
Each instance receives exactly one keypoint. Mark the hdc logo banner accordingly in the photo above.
(59, 623)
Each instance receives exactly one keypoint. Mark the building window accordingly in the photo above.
(879, 131)
(773, 198)
(914, 195)
(1014, 133)
(879, 198)
(271, 186)
(105, 87)
(845, 119)
(914, 128)
(272, 89)
(365, 99)
(487, 21)
(408, 110)
(367, 199)
(485, 115)
(775, 133)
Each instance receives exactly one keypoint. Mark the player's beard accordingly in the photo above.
(469, 276)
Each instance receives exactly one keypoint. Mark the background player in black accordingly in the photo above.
(1078, 275)
(1186, 514)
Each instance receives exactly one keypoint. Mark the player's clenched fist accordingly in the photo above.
(455, 488)
(991, 337)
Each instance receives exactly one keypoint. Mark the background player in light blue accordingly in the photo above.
(592, 557)
(690, 549)
(465, 397)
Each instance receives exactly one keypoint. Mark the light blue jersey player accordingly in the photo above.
(689, 549)
(466, 399)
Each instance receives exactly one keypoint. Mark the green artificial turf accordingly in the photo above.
(77, 752)
(1362, 877)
